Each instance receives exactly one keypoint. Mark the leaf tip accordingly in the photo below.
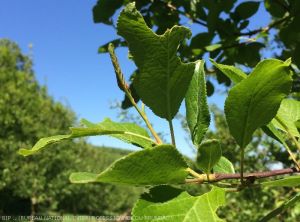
(25, 152)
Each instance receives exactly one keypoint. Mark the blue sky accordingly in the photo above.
(65, 42)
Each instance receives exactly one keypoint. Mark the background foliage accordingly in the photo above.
(39, 184)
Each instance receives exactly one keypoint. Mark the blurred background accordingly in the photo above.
(54, 70)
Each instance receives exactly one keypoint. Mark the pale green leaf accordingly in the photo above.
(208, 155)
(288, 204)
(223, 166)
(127, 132)
(254, 102)
(291, 181)
(168, 204)
(288, 113)
(197, 112)
(211, 48)
(159, 165)
(234, 74)
(160, 70)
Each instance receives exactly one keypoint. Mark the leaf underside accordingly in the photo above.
(163, 79)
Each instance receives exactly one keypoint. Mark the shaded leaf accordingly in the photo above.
(160, 69)
(246, 9)
(127, 132)
(254, 102)
(179, 206)
(116, 43)
(159, 165)
(208, 155)
(223, 166)
(104, 9)
(197, 112)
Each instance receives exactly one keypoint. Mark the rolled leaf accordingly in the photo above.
(197, 112)
(127, 132)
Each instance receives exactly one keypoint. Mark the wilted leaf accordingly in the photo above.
(127, 132)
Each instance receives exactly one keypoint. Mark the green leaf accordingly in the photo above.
(209, 154)
(234, 74)
(43, 143)
(127, 132)
(117, 43)
(213, 47)
(276, 10)
(291, 181)
(246, 9)
(288, 113)
(223, 166)
(105, 9)
(281, 209)
(197, 113)
(159, 165)
(166, 204)
(254, 102)
(160, 69)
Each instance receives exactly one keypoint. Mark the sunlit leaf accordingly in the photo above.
(159, 165)
(166, 204)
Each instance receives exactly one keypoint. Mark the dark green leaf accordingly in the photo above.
(159, 165)
(104, 9)
(254, 101)
(160, 70)
(208, 155)
(274, 8)
(179, 206)
(197, 113)
(246, 9)
(116, 43)
(127, 132)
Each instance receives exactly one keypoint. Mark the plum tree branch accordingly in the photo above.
(249, 177)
